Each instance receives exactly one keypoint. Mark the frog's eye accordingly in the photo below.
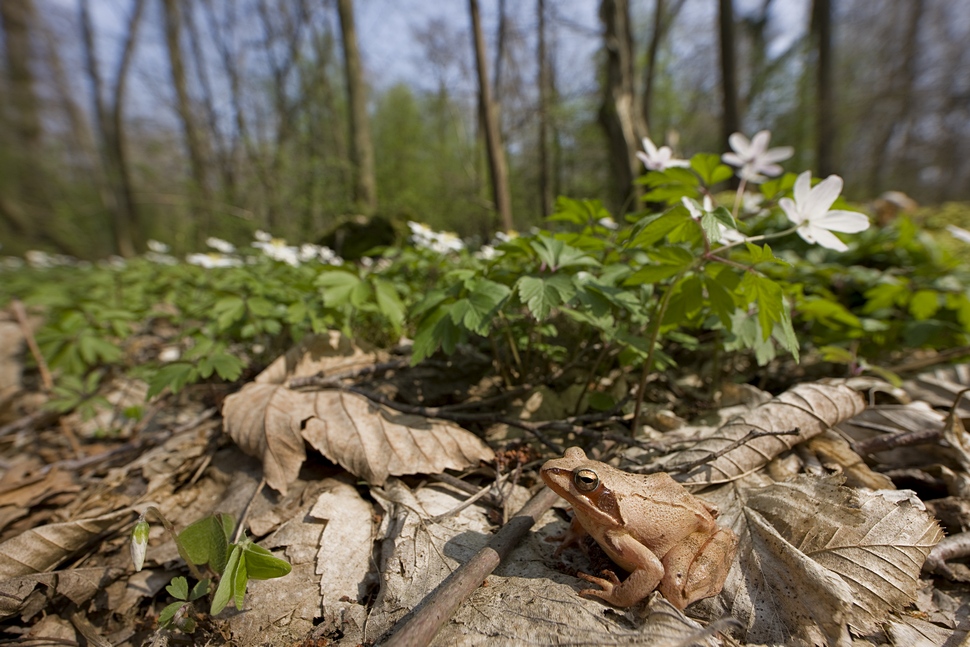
(585, 480)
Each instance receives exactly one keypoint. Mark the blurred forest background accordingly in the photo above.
(175, 120)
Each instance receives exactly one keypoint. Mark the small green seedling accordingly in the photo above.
(206, 543)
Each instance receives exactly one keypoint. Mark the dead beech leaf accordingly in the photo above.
(816, 558)
(330, 352)
(811, 407)
(876, 542)
(271, 422)
(40, 549)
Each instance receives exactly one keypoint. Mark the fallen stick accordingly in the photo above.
(418, 628)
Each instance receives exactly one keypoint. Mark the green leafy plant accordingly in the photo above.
(206, 543)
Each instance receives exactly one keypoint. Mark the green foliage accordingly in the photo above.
(206, 543)
(672, 279)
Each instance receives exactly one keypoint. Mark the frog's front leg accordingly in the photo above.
(645, 574)
(697, 567)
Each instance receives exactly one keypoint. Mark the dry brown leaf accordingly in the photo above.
(271, 422)
(41, 549)
(330, 352)
(811, 407)
(816, 558)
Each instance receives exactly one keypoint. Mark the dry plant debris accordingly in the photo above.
(822, 560)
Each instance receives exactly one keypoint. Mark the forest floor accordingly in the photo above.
(342, 478)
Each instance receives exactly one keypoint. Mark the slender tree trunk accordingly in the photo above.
(17, 18)
(361, 146)
(193, 138)
(652, 49)
(493, 137)
(620, 112)
(119, 196)
(730, 119)
(825, 126)
(25, 197)
(545, 169)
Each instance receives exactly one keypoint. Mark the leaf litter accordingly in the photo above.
(822, 560)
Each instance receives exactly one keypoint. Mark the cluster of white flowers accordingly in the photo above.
(489, 251)
(158, 253)
(278, 250)
(43, 260)
(213, 259)
(441, 242)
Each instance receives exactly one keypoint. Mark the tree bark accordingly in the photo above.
(620, 112)
(16, 18)
(825, 126)
(361, 145)
(119, 197)
(201, 195)
(545, 168)
(730, 119)
(652, 50)
(493, 137)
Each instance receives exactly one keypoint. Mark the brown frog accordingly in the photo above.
(650, 525)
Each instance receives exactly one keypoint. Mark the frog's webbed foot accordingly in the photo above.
(638, 585)
(607, 585)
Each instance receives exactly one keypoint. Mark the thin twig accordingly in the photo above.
(952, 547)
(419, 627)
(469, 501)
(45, 373)
(322, 379)
(730, 447)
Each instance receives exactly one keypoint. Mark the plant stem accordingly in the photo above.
(737, 198)
(652, 342)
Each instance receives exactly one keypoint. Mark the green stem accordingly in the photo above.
(652, 342)
(196, 573)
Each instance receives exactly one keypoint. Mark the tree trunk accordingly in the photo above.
(825, 126)
(493, 137)
(730, 120)
(545, 169)
(17, 18)
(201, 197)
(361, 146)
(620, 112)
(118, 197)
(650, 73)
(25, 195)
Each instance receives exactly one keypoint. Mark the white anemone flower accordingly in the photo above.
(753, 159)
(213, 259)
(220, 245)
(658, 159)
(697, 212)
(810, 211)
(959, 233)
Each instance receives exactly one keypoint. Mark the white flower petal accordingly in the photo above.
(650, 147)
(821, 197)
(825, 238)
(740, 144)
(779, 154)
(959, 233)
(759, 143)
(692, 207)
(847, 222)
(732, 159)
(803, 186)
(791, 210)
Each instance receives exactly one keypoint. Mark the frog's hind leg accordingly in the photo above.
(697, 567)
